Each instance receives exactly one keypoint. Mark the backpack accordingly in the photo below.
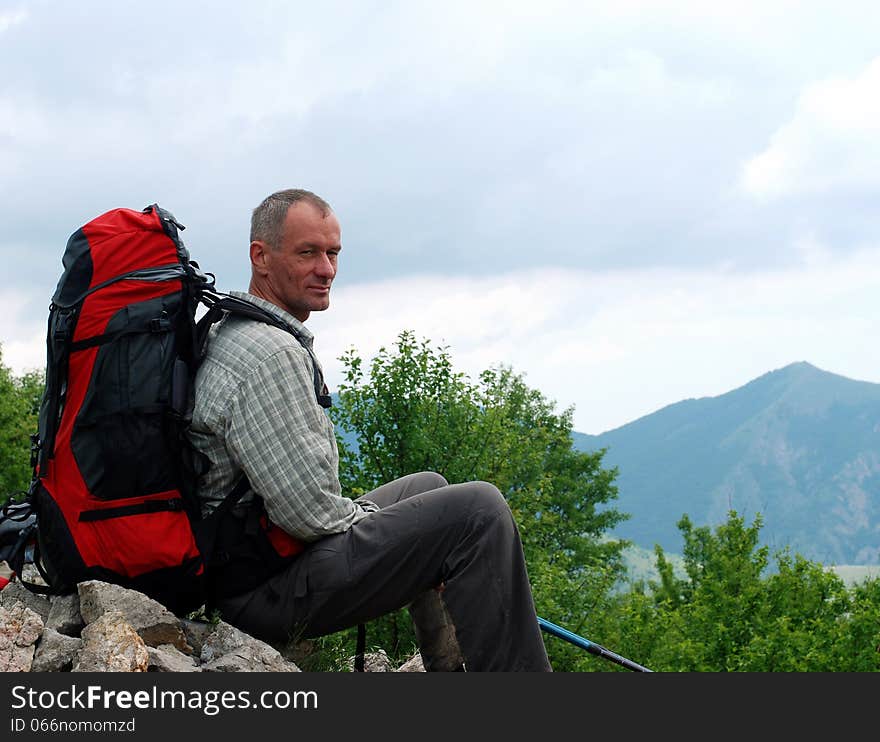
(112, 496)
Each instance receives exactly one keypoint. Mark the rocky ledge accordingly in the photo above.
(108, 628)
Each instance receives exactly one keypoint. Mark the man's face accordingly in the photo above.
(299, 272)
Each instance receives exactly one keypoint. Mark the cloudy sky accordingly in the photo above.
(630, 203)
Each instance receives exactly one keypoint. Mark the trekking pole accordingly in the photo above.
(591, 647)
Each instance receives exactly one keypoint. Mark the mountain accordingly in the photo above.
(799, 445)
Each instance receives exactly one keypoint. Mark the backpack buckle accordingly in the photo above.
(36, 447)
(160, 324)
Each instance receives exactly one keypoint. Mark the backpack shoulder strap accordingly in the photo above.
(208, 528)
(219, 304)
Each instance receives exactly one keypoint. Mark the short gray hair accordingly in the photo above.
(267, 220)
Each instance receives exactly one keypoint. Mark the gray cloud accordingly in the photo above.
(578, 136)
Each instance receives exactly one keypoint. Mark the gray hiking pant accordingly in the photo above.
(428, 534)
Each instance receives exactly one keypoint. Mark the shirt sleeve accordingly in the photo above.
(284, 442)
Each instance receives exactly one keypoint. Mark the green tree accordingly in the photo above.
(732, 613)
(413, 412)
(856, 647)
(725, 569)
(19, 408)
(805, 609)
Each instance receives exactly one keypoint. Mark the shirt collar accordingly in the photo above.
(276, 310)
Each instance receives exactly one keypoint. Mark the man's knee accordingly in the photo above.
(430, 480)
(477, 501)
(488, 497)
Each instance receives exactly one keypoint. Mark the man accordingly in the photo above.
(452, 553)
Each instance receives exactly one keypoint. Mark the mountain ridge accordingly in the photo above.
(798, 444)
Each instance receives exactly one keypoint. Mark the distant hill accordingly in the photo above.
(641, 565)
(799, 445)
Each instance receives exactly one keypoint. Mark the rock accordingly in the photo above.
(168, 658)
(413, 664)
(16, 592)
(196, 632)
(153, 622)
(108, 628)
(374, 662)
(56, 652)
(20, 628)
(111, 644)
(228, 649)
(64, 615)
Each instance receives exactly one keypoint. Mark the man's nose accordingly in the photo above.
(325, 267)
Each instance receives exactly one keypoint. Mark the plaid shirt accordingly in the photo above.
(256, 413)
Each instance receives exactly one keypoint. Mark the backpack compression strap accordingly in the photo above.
(18, 529)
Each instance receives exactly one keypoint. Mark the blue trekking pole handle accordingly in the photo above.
(591, 647)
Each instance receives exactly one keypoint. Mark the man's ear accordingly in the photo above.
(259, 251)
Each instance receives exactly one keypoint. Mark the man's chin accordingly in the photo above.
(303, 310)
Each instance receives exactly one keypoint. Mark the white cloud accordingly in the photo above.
(22, 335)
(615, 345)
(833, 140)
(11, 18)
(621, 345)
